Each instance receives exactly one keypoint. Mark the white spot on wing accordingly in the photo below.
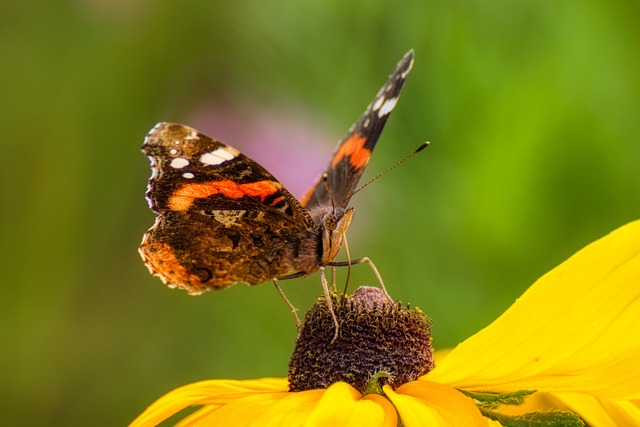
(387, 107)
(188, 175)
(173, 151)
(179, 163)
(378, 103)
(218, 156)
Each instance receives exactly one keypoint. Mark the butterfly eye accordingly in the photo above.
(329, 221)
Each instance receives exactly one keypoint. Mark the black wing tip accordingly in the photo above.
(162, 131)
(409, 55)
(165, 126)
(406, 63)
(399, 76)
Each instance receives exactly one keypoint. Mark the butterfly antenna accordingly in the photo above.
(416, 151)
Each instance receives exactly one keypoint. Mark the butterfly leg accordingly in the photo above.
(291, 307)
(361, 261)
(327, 297)
(333, 280)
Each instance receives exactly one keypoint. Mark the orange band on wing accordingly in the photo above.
(354, 147)
(183, 198)
(161, 261)
(277, 200)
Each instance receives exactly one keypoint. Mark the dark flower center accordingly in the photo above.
(379, 342)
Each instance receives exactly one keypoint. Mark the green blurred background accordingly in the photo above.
(532, 108)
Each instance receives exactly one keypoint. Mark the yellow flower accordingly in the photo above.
(573, 338)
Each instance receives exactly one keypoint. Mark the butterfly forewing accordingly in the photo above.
(193, 172)
(354, 150)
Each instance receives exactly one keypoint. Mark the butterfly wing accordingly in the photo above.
(354, 150)
(222, 218)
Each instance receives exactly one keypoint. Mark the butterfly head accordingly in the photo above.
(334, 225)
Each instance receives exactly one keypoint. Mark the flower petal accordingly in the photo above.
(212, 392)
(440, 354)
(342, 405)
(424, 403)
(576, 329)
(257, 410)
(339, 405)
(199, 417)
(601, 412)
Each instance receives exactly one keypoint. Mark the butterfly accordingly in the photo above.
(223, 219)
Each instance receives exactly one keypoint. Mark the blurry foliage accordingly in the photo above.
(531, 107)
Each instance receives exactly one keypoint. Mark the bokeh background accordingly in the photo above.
(532, 108)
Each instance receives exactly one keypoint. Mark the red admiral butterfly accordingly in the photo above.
(223, 218)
